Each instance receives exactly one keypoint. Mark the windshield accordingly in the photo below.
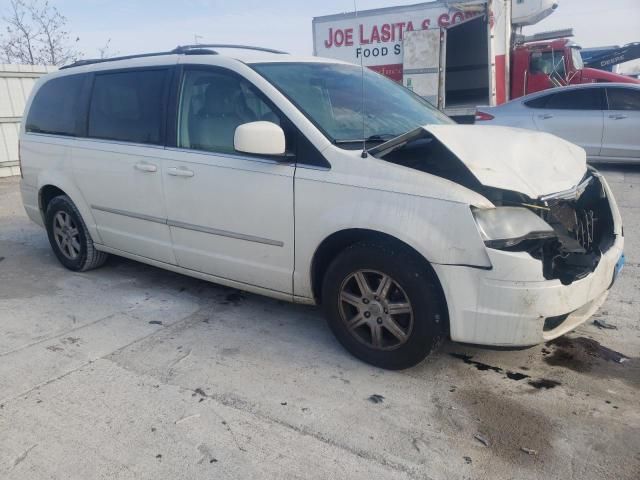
(330, 95)
(576, 58)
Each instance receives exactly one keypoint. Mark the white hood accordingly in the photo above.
(524, 161)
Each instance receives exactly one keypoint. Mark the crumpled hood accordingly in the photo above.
(524, 161)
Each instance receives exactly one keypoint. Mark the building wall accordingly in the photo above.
(16, 82)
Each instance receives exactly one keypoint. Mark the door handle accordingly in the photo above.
(146, 167)
(618, 116)
(545, 116)
(180, 172)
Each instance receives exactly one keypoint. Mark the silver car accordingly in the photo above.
(603, 118)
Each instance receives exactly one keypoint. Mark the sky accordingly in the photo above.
(136, 26)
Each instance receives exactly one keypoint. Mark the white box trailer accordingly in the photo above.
(454, 53)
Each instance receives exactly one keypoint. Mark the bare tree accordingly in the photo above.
(105, 50)
(21, 35)
(54, 46)
(35, 33)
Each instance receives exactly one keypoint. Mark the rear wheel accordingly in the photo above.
(383, 304)
(69, 236)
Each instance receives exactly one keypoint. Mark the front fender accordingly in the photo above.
(443, 232)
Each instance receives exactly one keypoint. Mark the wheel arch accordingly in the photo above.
(335, 243)
(52, 184)
(46, 194)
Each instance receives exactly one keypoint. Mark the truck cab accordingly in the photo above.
(542, 65)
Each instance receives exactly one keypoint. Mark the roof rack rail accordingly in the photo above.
(90, 61)
(187, 48)
(179, 50)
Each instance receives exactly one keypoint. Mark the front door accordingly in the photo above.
(230, 214)
(118, 166)
(575, 115)
(622, 123)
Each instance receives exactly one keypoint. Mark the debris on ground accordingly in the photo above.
(155, 322)
(602, 324)
(467, 460)
(375, 398)
(529, 451)
(544, 383)
(482, 439)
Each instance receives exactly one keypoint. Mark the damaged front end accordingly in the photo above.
(581, 228)
(567, 231)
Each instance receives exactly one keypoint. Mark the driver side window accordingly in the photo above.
(212, 105)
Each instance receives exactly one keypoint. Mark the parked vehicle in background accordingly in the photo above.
(604, 119)
(608, 58)
(257, 170)
(459, 54)
(540, 66)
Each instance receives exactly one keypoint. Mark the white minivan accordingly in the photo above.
(319, 182)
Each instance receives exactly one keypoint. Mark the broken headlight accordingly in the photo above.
(507, 227)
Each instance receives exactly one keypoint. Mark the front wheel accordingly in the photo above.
(383, 304)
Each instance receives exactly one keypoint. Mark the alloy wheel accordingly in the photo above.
(376, 310)
(66, 235)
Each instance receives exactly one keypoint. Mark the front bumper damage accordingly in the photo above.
(529, 297)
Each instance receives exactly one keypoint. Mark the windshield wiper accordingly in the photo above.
(378, 137)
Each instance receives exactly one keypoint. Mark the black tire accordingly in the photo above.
(424, 328)
(87, 257)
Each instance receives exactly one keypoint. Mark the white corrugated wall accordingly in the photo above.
(16, 82)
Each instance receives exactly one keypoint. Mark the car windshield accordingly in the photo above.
(330, 95)
(576, 58)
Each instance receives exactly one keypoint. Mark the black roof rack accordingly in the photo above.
(198, 49)
(188, 48)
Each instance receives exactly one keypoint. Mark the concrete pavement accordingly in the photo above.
(134, 372)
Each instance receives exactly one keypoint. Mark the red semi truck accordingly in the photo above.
(536, 66)
(458, 54)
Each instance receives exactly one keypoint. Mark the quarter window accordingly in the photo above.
(128, 106)
(623, 99)
(579, 99)
(212, 105)
(55, 108)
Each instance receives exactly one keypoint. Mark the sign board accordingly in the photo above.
(375, 37)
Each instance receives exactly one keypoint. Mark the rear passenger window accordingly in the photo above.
(580, 99)
(128, 106)
(55, 108)
(539, 102)
(623, 99)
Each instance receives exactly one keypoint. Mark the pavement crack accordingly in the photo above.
(23, 456)
(245, 407)
(63, 334)
(199, 391)
(91, 361)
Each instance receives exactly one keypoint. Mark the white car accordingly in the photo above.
(603, 118)
(247, 169)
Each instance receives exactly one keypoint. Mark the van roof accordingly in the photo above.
(244, 53)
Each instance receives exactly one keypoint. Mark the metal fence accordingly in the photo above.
(16, 82)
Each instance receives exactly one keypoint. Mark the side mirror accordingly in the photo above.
(259, 138)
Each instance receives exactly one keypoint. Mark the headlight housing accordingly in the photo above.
(507, 227)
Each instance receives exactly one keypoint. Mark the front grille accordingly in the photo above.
(584, 230)
(579, 223)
